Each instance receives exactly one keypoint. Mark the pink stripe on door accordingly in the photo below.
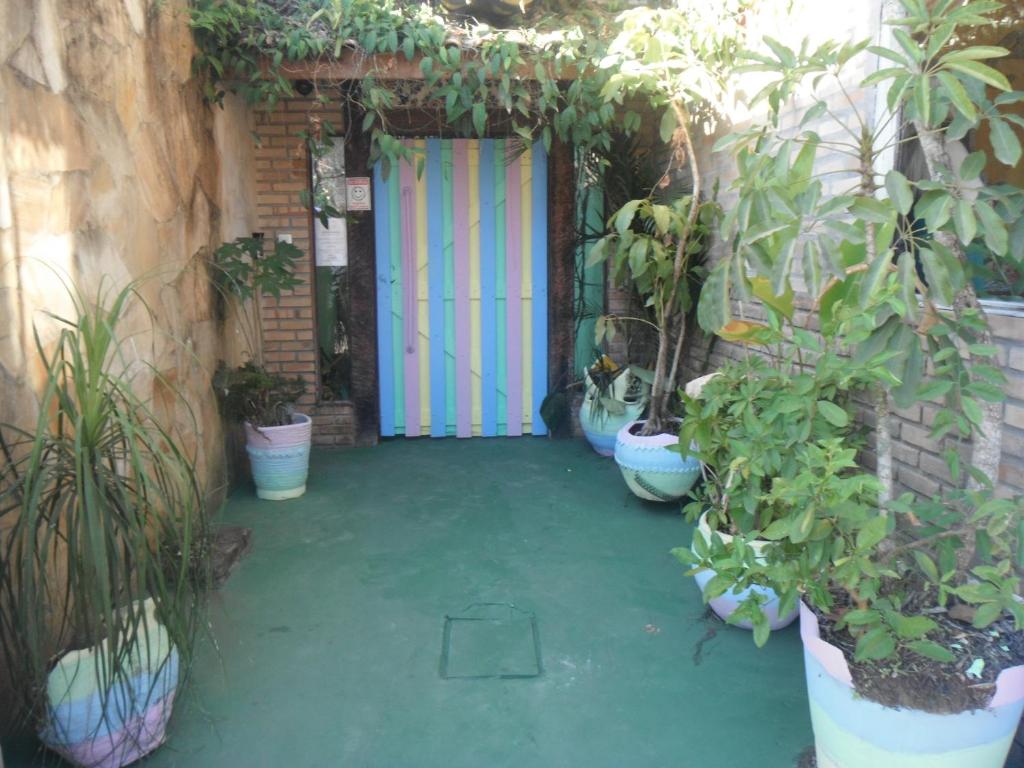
(460, 207)
(514, 303)
(410, 332)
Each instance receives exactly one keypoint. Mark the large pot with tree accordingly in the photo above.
(277, 437)
(910, 615)
(104, 555)
(677, 60)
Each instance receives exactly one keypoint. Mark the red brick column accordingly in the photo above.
(282, 173)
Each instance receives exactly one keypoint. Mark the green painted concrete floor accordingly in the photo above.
(329, 633)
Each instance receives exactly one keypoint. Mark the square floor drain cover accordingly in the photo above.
(491, 640)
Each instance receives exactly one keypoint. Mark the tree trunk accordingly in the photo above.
(987, 441)
(883, 434)
(663, 385)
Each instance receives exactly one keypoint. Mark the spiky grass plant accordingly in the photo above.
(100, 510)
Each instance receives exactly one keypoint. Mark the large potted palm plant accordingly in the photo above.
(104, 560)
(910, 616)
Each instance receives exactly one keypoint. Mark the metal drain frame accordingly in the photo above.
(447, 638)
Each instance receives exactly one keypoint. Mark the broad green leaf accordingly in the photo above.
(761, 287)
(958, 95)
(982, 72)
(662, 218)
(713, 310)
(927, 565)
(975, 53)
(907, 271)
(1005, 144)
(910, 627)
(861, 616)
(899, 190)
(833, 414)
(913, 371)
(972, 166)
(964, 222)
(479, 118)
(747, 332)
(877, 643)
(624, 218)
(993, 229)
(931, 650)
(668, 125)
(972, 410)
(872, 532)
(986, 614)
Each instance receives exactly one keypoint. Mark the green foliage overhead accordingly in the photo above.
(563, 76)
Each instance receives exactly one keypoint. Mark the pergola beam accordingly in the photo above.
(356, 65)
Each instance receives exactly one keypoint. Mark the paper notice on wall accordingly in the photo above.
(331, 243)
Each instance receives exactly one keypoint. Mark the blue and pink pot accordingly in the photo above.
(725, 605)
(852, 732)
(100, 720)
(279, 457)
(600, 425)
(650, 469)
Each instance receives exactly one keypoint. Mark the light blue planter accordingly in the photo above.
(601, 426)
(279, 457)
(853, 732)
(652, 471)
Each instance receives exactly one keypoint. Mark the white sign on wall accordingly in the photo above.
(357, 193)
(331, 242)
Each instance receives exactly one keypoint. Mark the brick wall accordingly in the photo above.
(289, 323)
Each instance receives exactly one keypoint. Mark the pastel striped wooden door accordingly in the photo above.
(461, 254)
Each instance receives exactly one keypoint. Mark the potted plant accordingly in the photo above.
(910, 616)
(277, 437)
(104, 561)
(650, 243)
(613, 397)
(750, 424)
(678, 60)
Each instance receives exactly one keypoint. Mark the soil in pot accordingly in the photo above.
(908, 680)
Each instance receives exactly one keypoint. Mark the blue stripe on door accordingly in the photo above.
(381, 228)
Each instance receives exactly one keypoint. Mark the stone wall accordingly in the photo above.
(109, 170)
(113, 168)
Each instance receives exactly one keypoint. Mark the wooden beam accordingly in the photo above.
(355, 65)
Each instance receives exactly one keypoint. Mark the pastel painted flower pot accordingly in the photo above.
(600, 424)
(100, 720)
(279, 457)
(853, 732)
(650, 469)
(726, 604)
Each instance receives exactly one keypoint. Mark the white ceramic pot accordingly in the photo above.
(725, 605)
(651, 471)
